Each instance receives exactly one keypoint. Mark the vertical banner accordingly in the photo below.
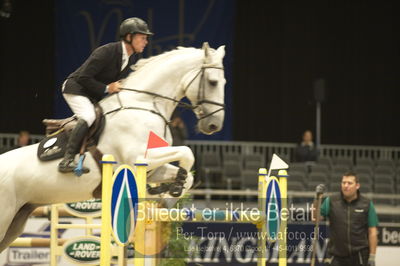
(273, 202)
(124, 202)
(81, 26)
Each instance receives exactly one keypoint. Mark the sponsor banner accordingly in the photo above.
(28, 255)
(88, 208)
(236, 244)
(35, 256)
(273, 208)
(84, 250)
(124, 204)
(389, 236)
(212, 244)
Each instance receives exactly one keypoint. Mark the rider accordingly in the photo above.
(98, 76)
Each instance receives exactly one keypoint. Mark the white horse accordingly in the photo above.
(151, 95)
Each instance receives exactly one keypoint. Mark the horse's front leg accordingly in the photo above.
(180, 176)
(160, 156)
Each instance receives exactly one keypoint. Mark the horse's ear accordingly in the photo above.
(206, 48)
(221, 50)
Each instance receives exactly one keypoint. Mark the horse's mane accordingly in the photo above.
(179, 50)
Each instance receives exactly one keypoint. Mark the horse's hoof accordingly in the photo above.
(181, 175)
(175, 189)
(157, 190)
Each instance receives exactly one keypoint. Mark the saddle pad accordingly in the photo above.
(53, 147)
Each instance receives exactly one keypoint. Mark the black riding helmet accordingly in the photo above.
(132, 26)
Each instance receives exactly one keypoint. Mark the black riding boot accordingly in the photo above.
(74, 143)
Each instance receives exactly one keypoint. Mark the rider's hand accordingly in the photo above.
(114, 87)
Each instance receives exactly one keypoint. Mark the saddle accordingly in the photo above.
(53, 146)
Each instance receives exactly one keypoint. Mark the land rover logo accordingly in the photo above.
(86, 208)
(85, 250)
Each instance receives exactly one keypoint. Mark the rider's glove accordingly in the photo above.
(371, 260)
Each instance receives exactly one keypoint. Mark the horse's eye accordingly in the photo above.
(213, 82)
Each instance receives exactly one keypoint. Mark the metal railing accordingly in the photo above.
(209, 196)
(8, 141)
(287, 150)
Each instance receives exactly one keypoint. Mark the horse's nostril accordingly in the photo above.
(212, 127)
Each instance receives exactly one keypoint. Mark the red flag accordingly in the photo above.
(155, 141)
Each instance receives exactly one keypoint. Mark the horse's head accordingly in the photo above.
(197, 74)
(206, 91)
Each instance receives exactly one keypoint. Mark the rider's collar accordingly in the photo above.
(125, 57)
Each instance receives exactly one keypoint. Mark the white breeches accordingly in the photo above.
(81, 106)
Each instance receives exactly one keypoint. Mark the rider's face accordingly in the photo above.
(139, 42)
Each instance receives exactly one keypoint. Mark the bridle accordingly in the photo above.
(201, 98)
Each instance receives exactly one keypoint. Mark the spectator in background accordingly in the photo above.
(178, 130)
(306, 151)
(24, 139)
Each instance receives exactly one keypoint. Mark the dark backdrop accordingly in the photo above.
(26, 66)
(280, 49)
(81, 26)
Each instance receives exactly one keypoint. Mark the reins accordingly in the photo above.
(200, 99)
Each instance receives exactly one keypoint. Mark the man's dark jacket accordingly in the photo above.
(348, 225)
(101, 68)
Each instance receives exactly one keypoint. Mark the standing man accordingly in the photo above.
(352, 225)
(98, 76)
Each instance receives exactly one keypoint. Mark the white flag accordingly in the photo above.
(277, 163)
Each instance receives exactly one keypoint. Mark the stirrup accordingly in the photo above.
(80, 169)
